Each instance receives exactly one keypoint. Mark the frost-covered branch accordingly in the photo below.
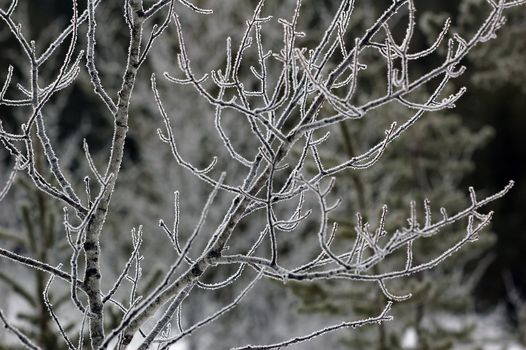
(277, 170)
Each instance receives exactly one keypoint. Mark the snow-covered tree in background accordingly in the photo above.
(430, 162)
(269, 111)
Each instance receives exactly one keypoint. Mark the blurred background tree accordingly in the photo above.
(436, 162)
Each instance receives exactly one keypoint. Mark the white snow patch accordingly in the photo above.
(410, 339)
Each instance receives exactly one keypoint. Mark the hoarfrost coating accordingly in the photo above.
(274, 106)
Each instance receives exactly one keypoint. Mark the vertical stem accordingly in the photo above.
(92, 244)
